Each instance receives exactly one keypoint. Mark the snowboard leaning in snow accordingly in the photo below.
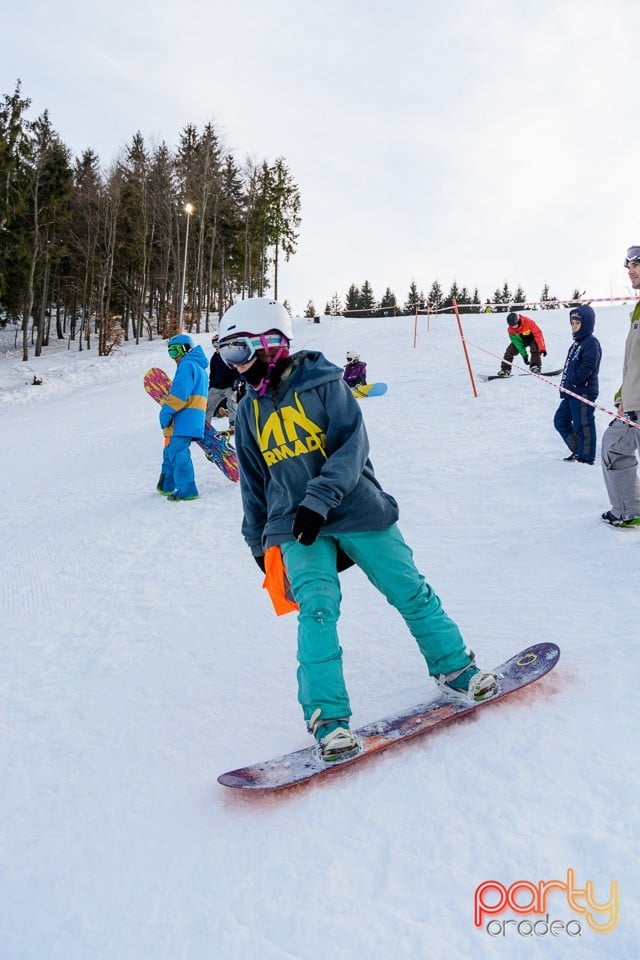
(543, 373)
(216, 447)
(526, 667)
(369, 390)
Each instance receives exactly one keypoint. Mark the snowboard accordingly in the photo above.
(369, 390)
(293, 768)
(215, 446)
(544, 373)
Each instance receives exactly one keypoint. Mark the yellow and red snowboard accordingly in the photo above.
(216, 446)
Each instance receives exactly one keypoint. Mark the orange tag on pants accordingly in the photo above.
(276, 582)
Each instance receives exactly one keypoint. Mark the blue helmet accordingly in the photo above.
(179, 345)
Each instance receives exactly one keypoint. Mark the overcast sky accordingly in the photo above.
(478, 140)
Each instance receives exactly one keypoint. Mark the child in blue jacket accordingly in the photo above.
(575, 420)
(182, 417)
(309, 490)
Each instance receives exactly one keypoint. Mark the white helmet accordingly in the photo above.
(352, 356)
(254, 316)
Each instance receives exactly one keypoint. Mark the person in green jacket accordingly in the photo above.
(524, 334)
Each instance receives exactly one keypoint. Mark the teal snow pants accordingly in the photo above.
(387, 561)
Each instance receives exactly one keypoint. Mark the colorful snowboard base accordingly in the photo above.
(216, 447)
(369, 390)
(293, 768)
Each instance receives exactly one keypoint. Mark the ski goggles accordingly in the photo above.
(242, 350)
(633, 256)
(176, 350)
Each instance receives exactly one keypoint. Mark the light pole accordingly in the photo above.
(188, 209)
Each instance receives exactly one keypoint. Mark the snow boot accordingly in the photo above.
(611, 518)
(160, 486)
(503, 373)
(470, 682)
(335, 740)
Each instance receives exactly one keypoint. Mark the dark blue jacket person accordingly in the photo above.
(574, 420)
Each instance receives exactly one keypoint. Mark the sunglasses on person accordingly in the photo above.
(241, 350)
(633, 256)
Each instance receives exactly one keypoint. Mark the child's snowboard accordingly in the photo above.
(216, 447)
(369, 390)
(545, 373)
(294, 768)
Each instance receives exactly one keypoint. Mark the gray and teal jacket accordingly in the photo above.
(306, 444)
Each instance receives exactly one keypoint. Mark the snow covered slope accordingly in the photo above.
(140, 659)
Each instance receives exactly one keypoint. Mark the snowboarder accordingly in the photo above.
(309, 493)
(355, 371)
(574, 420)
(523, 334)
(182, 418)
(621, 441)
(223, 382)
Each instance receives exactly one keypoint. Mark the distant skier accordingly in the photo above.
(524, 334)
(575, 420)
(355, 371)
(182, 418)
(310, 497)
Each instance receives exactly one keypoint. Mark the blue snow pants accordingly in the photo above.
(575, 422)
(388, 563)
(178, 468)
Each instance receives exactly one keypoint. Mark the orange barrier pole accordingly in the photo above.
(464, 347)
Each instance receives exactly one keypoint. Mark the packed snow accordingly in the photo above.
(141, 659)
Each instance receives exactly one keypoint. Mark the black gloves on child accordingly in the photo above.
(307, 524)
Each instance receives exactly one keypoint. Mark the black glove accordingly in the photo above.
(307, 524)
(543, 352)
(260, 561)
(526, 360)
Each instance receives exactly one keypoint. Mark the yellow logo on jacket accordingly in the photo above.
(287, 433)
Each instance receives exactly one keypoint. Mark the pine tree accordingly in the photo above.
(334, 307)
(519, 297)
(454, 294)
(435, 297)
(15, 158)
(367, 300)
(352, 302)
(415, 299)
(310, 310)
(285, 216)
(546, 297)
(388, 305)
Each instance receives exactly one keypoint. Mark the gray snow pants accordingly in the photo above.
(620, 444)
(215, 395)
